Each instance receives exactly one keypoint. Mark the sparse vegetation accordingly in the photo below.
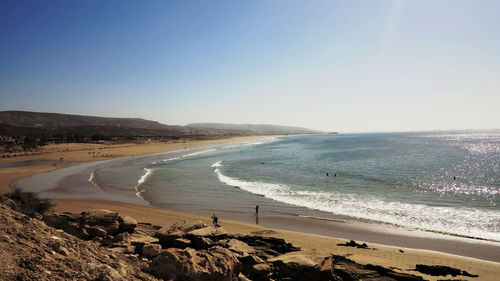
(28, 203)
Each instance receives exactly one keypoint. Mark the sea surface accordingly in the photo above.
(447, 182)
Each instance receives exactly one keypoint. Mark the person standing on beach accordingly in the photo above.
(215, 220)
(257, 210)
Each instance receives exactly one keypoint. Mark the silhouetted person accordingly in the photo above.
(257, 210)
(454, 178)
(327, 174)
(215, 220)
(335, 175)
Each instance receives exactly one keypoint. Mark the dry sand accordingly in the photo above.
(315, 245)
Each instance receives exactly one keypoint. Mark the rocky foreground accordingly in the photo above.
(102, 245)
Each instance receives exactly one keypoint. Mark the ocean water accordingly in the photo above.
(446, 182)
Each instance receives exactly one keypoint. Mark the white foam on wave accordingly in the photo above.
(263, 141)
(93, 180)
(197, 153)
(141, 181)
(187, 155)
(170, 159)
(459, 221)
(229, 146)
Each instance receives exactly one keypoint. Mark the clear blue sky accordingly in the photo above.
(330, 65)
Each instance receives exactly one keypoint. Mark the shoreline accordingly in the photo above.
(162, 216)
(77, 153)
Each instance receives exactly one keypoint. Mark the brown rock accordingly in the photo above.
(261, 270)
(106, 273)
(142, 240)
(168, 235)
(297, 266)
(151, 250)
(201, 242)
(250, 260)
(128, 224)
(105, 219)
(216, 233)
(182, 243)
(167, 238)
(41, 252)
(186, 226)
(66, 223)
(240, 247)
(121, 237)
(95, 231)
(214, 264)
(129, 249)
(268, 247)
(326, 268)
(242, 277)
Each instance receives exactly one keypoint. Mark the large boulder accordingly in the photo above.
(214, 264)
(168, 235)
(106, 219)
(297, 266)
(66, 222)
(127, 224)
(214, 233)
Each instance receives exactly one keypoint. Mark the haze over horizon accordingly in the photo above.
(347, 66)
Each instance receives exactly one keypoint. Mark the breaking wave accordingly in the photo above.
(461, 221)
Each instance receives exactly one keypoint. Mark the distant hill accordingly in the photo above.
(16, 123)
(263, 129)
(56, 120)
(25, 123)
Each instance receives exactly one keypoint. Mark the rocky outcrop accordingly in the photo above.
(95, 224)
(353, 243)
(441, 270)
(31, 250)
(341, 268)
(168, 235)
(191, 250)
(267, 247)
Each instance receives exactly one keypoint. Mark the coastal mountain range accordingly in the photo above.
(37, 123)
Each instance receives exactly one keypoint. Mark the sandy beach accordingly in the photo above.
(400, 258)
